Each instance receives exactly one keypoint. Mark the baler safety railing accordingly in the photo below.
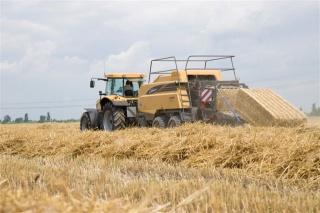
(192, 58)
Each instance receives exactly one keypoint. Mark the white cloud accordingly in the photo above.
(36, 59)
(242, 18)
(6, 66)
(134, 59)
(74, 60)
(23, 26)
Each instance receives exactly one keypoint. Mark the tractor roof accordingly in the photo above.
(124, 75)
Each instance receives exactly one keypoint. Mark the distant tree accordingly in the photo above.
(48, 116)
(70, 120)
(26, 117)
(42, 118)
(315, 111)
(314, 108)
(18, 120)
(6, 119)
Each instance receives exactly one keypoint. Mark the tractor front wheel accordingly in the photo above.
(113, 119)
(85, 123)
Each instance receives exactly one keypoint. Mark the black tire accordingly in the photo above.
(142, 122)
(159, 122)
(174, 121)
(85, 123)
(119, 119)
(100, 120)
(113, 118)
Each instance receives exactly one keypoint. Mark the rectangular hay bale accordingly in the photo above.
(261, 107)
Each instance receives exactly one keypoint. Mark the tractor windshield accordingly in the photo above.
(114, 86)
(123, 86)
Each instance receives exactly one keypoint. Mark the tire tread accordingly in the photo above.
(161, 120)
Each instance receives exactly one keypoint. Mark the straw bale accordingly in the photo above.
(261, 107)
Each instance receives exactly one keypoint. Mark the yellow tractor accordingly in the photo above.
(117, 106)
(192, 93)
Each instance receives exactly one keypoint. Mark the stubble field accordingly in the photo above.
(193, 168)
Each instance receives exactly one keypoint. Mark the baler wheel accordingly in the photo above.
(159, 122)
(174, 121)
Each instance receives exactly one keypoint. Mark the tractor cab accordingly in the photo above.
(120, 84)
(125, 85)
(121, 89)
(117, 105)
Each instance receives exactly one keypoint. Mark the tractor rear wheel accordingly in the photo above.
(113, 119)
(174, 121)
(85, 123)
(159, 122)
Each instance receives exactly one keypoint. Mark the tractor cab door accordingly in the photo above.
(131, 87)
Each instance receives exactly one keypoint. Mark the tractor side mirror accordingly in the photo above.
(92, 83)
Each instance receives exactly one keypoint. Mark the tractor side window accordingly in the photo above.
(136, 87)
(132, 86)
(115, 86)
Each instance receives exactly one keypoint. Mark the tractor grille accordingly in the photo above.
(132, 102)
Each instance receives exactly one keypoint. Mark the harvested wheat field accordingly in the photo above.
(193, 168)
(314, 121)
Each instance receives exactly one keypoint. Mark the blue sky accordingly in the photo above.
(50, 49)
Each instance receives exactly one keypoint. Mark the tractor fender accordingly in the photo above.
(115, 102)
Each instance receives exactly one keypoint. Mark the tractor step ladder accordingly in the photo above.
(185, 100)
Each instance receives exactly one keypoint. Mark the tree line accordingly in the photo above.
(315, 111)
(42, 119)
